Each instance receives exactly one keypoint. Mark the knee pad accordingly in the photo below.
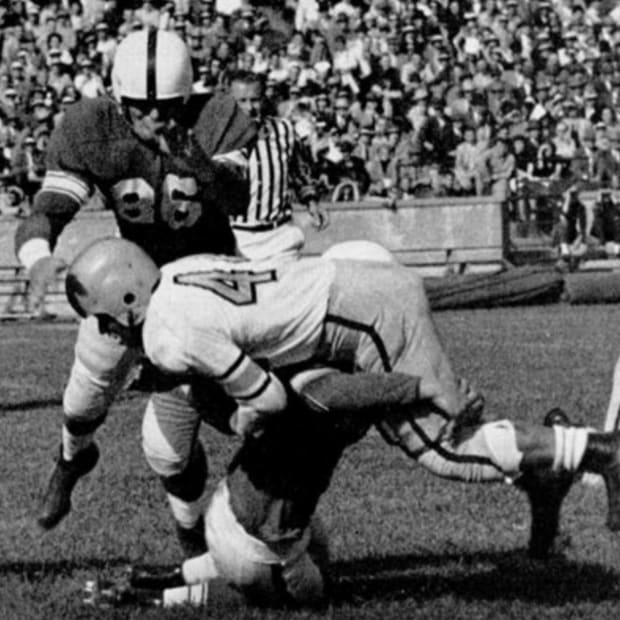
(169, 430)
(189, 484)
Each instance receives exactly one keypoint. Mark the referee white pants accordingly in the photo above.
(284, 239)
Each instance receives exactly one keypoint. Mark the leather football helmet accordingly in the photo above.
(112, 277)
(360, 250)
(152, 65)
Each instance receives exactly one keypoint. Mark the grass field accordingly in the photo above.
(405, 544)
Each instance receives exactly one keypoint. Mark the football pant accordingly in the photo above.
(388, 327)
(261, 573)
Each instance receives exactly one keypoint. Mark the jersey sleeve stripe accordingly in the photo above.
(257, 392)
(232, 368)
(67, 184)
(246, 380)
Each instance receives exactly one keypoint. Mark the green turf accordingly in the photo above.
(405, 544)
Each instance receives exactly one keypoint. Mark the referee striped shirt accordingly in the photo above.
(279, 170)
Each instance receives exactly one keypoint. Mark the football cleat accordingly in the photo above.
(556, 417)
(56, 503)
(603, 456)
(156, 578)
(546, 491)
(192, 540)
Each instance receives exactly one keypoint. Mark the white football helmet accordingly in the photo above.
(360, 250)
(152, 65)
(112, 277)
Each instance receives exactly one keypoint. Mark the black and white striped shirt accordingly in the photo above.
(279, 171)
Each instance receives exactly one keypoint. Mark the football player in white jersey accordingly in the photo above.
(217, 317)
(168, 164)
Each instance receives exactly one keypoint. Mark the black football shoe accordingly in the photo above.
(602, 456)
(156, 578)
(56, 502)
(546, 491)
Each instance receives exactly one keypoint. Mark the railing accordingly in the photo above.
(431, 234)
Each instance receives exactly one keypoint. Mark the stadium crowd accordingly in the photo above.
(390, 98)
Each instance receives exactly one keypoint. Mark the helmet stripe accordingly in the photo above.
(151, 62)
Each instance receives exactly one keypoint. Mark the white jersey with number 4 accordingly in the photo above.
(212, 315)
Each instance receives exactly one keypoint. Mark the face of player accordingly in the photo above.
(150, 118)
(129, 336)
(249, 97)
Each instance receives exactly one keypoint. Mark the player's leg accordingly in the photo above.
(400, 336)
(381, 313)
(100, 367)
(174, 452)
(612, 418)
(543, 460)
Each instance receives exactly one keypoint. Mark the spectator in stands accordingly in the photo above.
(29, 166)
(105, 46)
(58, 79)
(565, 148)
(55, 49)
(350, 169)
(87, 81)
(524, 151)
(466, 163)
(382, 172)
(606, 166)
(11, 197)
(497, 167)
(572, 230)
(606, 223)
(418, 113)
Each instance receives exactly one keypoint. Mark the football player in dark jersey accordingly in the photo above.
(263, 535)
(172, 169)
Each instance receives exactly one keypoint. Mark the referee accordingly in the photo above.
(278, 170)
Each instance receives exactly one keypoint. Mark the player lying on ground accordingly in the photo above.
(170, 166)
(213, 317)
(261, 533)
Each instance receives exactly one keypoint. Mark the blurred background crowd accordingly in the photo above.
(393, 99)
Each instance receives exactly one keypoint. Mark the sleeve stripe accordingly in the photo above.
(67, 184)
(256, 393)
(234, 366)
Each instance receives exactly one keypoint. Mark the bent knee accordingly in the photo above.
(163, 458)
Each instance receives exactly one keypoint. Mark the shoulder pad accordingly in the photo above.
(222, 127)
(91, 139)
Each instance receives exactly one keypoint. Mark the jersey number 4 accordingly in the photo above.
(237, 287)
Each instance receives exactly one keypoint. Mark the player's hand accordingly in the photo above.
(319, 215)
(245, 421)
(472, 399)
(432, 390)
(40, 276)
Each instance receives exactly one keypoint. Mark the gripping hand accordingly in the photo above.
(43, 273)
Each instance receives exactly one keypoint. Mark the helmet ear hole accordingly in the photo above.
(129, 299)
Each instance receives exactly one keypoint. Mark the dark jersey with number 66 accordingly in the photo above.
(171, 201)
